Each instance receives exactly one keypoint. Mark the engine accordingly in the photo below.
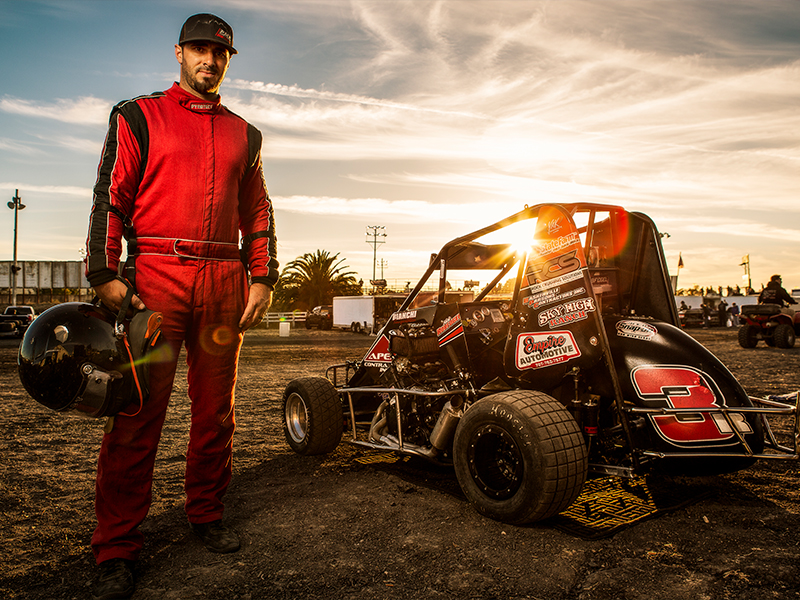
(417, 417)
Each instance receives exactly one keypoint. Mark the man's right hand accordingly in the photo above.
(113, 292)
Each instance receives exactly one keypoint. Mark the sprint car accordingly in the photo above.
(582, 369)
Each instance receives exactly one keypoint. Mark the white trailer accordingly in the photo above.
(364, 314)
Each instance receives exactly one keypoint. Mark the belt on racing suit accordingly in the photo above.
(197, 249)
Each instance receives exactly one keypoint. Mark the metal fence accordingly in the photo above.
(39, 282)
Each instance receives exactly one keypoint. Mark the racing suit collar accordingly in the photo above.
(192, 102)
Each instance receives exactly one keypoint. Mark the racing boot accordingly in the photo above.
(115, 580)
(216, 537)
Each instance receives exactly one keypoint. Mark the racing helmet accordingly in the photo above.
(77, 357)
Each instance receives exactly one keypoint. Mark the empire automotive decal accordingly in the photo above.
(379, 355)
(450, 329)
(569, 312)
(537, 350)
(636, 330)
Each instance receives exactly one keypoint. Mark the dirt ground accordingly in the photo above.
(332, 527)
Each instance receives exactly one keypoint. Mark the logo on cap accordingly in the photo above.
(224, 35)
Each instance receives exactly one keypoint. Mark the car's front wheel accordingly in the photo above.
(519, 456)
(313, 421)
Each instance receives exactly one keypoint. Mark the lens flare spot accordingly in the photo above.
(217, 340)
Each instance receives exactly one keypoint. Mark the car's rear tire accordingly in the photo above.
(748, 336)
(313, 421)
(519, 456)
(784, 336)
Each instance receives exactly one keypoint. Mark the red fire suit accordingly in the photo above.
(187, 174)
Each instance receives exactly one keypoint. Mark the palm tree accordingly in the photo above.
(313, 280)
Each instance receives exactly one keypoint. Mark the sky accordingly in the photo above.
(435, 118)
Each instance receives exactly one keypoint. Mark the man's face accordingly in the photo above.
(203, 67)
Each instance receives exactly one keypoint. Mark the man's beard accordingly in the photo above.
(206, 85)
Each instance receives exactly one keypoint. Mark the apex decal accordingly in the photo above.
(379, 355)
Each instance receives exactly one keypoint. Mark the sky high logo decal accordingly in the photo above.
(569, 312)
(537, 350)
(450, 329)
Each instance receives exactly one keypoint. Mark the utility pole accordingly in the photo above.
(16, 205)
(375, 232)
(746, 264)
(384, 263)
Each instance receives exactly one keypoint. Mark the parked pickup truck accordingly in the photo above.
(15, 319)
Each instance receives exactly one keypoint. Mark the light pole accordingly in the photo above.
(746, 264)
(16, 205)
(375, 231)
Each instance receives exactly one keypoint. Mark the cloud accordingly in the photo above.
(60, 190)
(551, 99)
(17, 148)
(747, 229)
(401, 211)
(83, 111)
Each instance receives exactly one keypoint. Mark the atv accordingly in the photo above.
(776, 325)
(584, 368)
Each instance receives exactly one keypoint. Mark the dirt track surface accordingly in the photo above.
(331, 527)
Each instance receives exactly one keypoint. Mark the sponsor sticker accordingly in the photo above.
(542, 287)
(379, 355)
(551, 296)
(408, 315)
(636, 330)
(451, 328)
(569, 312)
(558, 244)
(537, 350)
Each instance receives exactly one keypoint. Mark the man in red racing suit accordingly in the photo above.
(186, 173)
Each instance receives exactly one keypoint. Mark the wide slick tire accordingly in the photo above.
(313, 421)
(748, 336)
(519, 456)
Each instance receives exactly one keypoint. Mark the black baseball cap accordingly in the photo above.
(207, 28)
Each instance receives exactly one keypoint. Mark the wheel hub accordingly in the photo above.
(495, 462)
(296, 418)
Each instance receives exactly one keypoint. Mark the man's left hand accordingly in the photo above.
(258, 300)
